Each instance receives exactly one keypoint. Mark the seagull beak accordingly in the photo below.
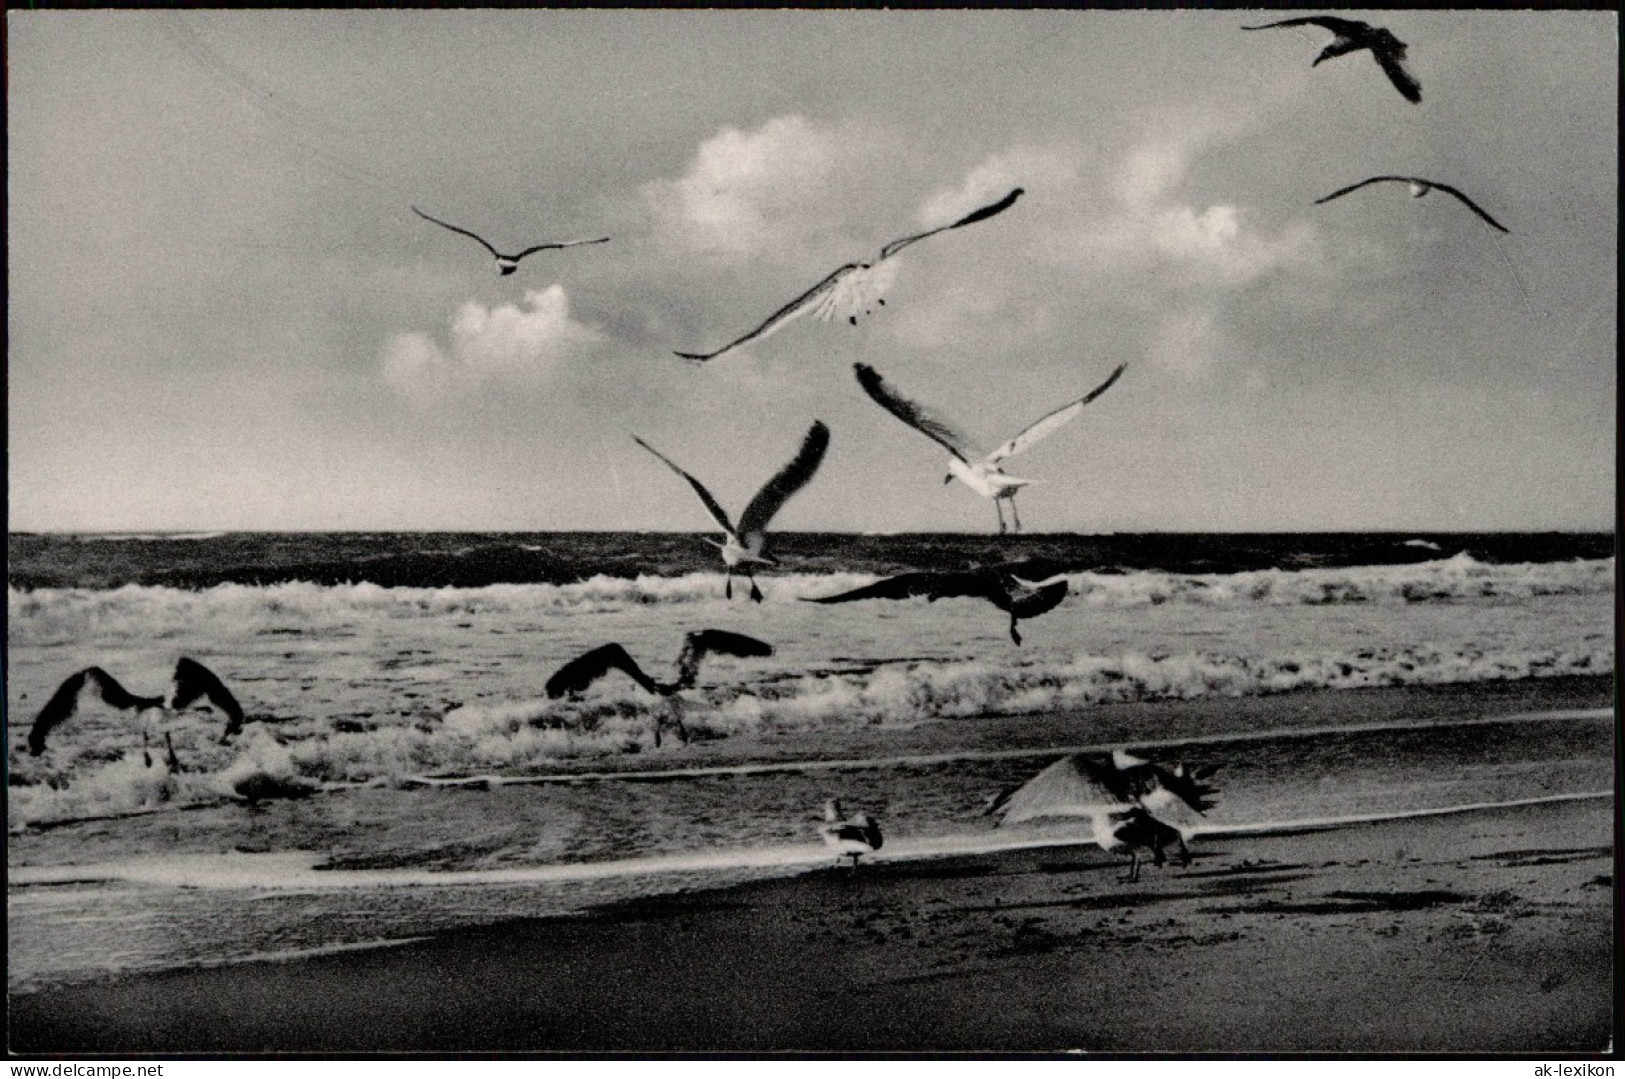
(949, 478)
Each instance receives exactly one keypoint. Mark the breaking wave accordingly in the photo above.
(51, 613)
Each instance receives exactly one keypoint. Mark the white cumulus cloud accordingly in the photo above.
(504, 344)
(749, 190)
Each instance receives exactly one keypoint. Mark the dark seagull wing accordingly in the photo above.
(65, 701)
(982, 214)
(1402, 79)
(704, 642)
(556, 246)
(1470, 204)
(195, 682)
(718, 514)
(588, 667)
(494, 252)
(928, 422)
(780, 318)
(901, 586)
(1340, 192)
(1345, 27)
(791, 478)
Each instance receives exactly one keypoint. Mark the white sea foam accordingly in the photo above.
(49, 613)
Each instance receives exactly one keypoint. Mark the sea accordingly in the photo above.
(394, 683)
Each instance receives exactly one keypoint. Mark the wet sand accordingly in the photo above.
(1485, 931)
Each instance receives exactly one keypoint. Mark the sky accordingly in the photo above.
(224, 314)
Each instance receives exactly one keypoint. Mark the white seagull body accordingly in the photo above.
(744, 543)
(853, 289)
(1116, 794)
(1418, 187)
(851, 838)
(507, 264)
(981, 472)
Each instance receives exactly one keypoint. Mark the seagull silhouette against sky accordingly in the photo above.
(192, 682)
(1008, 587)
(1117, 793)
(1354, 35)
(744, 545)
(853, 289)
(979, 471)
(507, 264)
(1419, 187)
(581, 672)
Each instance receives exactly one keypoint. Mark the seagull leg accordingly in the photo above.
(755, 592)
(1014, 635)
(1014, 514)
(1133, 868)
(728, 589)
(1184, 852)
(1000, 511)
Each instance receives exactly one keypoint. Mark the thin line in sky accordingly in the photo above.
(293, 119)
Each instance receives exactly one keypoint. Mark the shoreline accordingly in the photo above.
(1487, 931)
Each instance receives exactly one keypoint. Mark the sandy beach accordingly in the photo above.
(1474, 932)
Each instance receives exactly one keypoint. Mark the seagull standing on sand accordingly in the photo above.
(1352, 36)
(1002, 586)
(853, 289)
(1419, 187)
(192, 682)
(978, 471)
(581, 672)
(507, 264)
(744, 545)
(849, 838)
(1116, 792)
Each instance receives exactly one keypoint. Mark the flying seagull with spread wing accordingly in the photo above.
(853, 289)
(1419, 187)
(507, 264)
(745, 542)
(1354, 35)
(981, 472)
(849, 838)
(581, 672)
(192, 682)
(1116, 793)
(1003, 586)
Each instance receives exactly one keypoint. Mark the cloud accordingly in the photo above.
(502, 345)
(1109, 232)
(750, 190)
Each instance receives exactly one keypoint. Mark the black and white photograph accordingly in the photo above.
(758, 532)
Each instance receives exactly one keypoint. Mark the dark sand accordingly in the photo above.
(1485, 931)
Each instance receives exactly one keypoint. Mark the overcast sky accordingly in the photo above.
(224, 315)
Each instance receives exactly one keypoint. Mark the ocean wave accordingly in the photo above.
(48, 613)
(527, 736)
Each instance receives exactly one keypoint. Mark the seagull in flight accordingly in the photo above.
(581, 672)
(1419, 187)
(1354, 35)
(1117, 793)
(849, 838)
(507, 264)
(1003, 586)
(981, 472)
(853, 289)
(192, 682)
(745, 541)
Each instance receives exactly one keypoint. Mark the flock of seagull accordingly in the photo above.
(1119, 794)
